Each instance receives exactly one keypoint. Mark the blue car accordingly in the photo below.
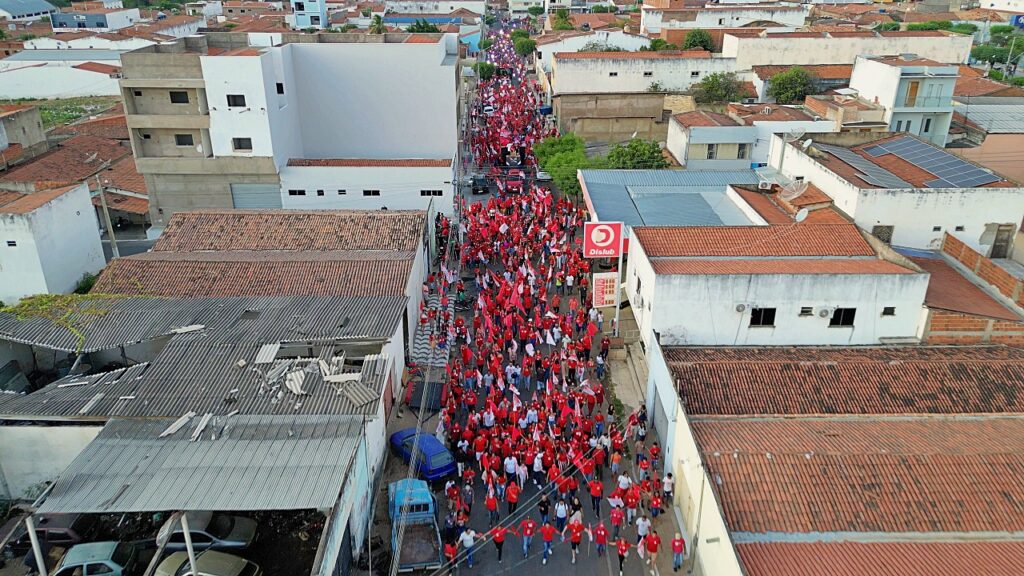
(435, 461)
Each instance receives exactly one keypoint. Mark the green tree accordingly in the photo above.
(990, 53)
(598, 46)
(422, 26)
(636, 155)
(486, 43)
(1002, 29)
(377, 25)
(346, 27)
(1018, 81)
(553, 145)
(698, 38)
(930, 25)
(517, 34)
(563, 167)
(717, 87)
(535, 10)
(964, 28)
(657, 45)
(3, 35)
(790, 86)
(490, 20)
(604, 9)
(887, 26)
(365, 13)
(561, 25)
(562, 14)
(485, 70)
(525, 46)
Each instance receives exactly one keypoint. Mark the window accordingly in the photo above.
(146, 136)
(242, 144)
(342, 192)
(899, 125)
(430, 193)
(806, 311)
(648, 74)
(137, 92)
(909, 122)
(371, 192)
(319, 192)
(959, 228)
(97, 568)
(889, 311)
(712, 151)
(300, 6)
(314, 20)
(179, 97)
(280, 88)
(613, 74)
(183, 140)
(12, 243)
(741, 151)
(762, 317)
(721, 21)
(936, 228)
(695, 74)
(927, 125)
(883, 233)
(843, 317)
(296, 192)
(236, 100)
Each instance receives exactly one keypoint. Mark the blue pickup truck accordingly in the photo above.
(411, 506)
(434, 462)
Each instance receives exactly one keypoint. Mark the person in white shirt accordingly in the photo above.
(624, 482)
(510, 466)
(643, 527)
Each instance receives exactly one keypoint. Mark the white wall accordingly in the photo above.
(55, 81)
(768, 128)
(757, 51)
(243, 75)
(88, 43)
(31, 455)
(434, 6)
(678, 141)
(630, 42)
(399, 187)
(593, 75)
(181, 30)
(654, 19)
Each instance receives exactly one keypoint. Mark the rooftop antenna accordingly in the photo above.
(793, 190)
(801, 215)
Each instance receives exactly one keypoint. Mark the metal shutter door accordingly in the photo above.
(256, 195)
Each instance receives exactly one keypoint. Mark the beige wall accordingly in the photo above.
(723, 152)
(612, 117)
(170, 193)
(992, 154)
(26, 128)
(158, 101)
(161, 143)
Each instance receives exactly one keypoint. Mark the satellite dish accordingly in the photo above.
(793, 190)
(801, 215)
(794, 134)
(807, 144)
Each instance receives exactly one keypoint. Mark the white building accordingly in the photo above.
(906, 191)
(369, 184)
(917, 93)
(46, 73)
(24, 10)
(771, 119)
(308, 14)
(708, 140)
(654, 18)
(51, 239)
(434, 6)
(205, 9)
(550, 44)
(90, 41)
(632, 72)
(787, 284)
(95, 19)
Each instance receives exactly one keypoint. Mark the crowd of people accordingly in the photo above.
(525, 411)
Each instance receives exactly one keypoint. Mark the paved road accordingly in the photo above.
(127, 247)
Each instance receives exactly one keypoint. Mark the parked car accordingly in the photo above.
(543, 176)
(434, 462)
(64, 530)
(108, 558)
(480, 185)
(488, 109)
(208, 563)
(211, 530)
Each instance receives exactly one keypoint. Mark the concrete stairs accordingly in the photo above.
(421, 352)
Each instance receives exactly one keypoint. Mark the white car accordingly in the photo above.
(208, 563)
(543, 177)
(489, 110)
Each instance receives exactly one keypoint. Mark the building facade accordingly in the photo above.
(95, 20)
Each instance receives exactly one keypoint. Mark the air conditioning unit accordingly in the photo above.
(824, 312)
(741, 308)
(764, 185)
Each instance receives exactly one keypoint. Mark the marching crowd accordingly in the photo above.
(525, 411)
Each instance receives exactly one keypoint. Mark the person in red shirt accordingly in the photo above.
(623, 549)
(678, 550)
(547, 534)
(655, 504)
(596, 493)
(600, 535)
(451, 550)
(652, 542)
(512, 497)
(527, 528)
(491, 503)
(576, 530)
(617, 518)
(498, 534)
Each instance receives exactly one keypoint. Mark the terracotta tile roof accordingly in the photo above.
(948, 290)
(12, 153)
(72, 161)
(872, 380)
(277, 230)
(242, 52)
(775, 210)
(704, 119)
(913, 33)
(900, 61)
(15, 203)
(97, 67)
(124, 203)
(299, 274)
(916, 475)
(595, 21)
(690, 267)
(112, 126)
(978, 86)
(851, 33)
(423, 38)
(663, 55)
(373, 162)
(764, 241)
(823, 71)
(11, 109)
(882, 558)
(764, 206)
(551, 37)
(751, 113)
(912, 16)
(66, 36)
(123, 175)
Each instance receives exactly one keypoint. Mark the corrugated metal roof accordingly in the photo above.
(53, 55)
(108, 323)
(666, 197)
(22, 8)
(996, 118)
(238, 463)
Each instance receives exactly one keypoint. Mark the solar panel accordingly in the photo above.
(871, 173)
(950, 171)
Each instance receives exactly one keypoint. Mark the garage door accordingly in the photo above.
(256, 195)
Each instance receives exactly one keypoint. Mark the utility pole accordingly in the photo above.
(1006, 70)
(106, 218)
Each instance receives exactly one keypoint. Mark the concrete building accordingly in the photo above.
(216, 123)
(206, 9)
(95, 19)
(551, 43)
(708, 140)
(308, 14)
(51, 240)
(632, 72)
(906, 191)
(917, 93)
(848, 111)
(660, 15)
(522, 7)
(771, 119)
(763, 482)
(434, 6)
(25, 10)
(21, 134)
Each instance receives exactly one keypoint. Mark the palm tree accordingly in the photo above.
(377, 25)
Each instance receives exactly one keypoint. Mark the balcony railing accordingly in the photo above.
(928, 102)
